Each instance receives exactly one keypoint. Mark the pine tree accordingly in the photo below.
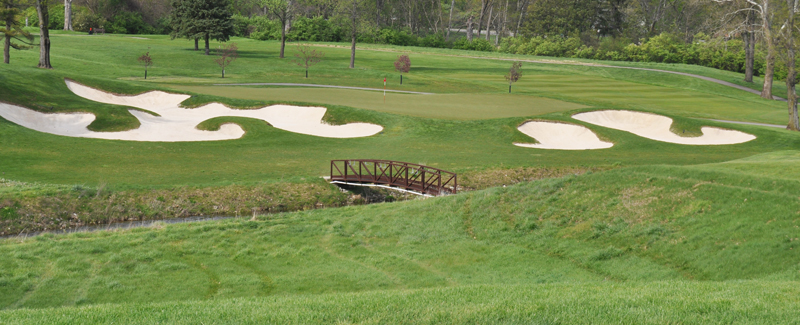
(206, 19)
(10, 29)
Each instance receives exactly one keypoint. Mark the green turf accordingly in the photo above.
(659, 233)
(439, 106)
(732, 302)
(657, 239)
(452, 140)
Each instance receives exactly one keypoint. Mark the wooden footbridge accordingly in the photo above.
(414, 178)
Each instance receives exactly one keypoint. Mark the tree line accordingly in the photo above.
(756, 37)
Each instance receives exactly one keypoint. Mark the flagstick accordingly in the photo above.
(384, 90)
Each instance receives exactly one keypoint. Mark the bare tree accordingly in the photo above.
(307, 57)
(226, 56)
(765, 14)
(146, 61)
(403, 65)
(514, 74)
(44, 34)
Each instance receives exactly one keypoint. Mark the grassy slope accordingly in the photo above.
(267, 154)
(673, 302)
(630, 226)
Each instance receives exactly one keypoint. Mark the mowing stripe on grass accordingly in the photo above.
(325, 86)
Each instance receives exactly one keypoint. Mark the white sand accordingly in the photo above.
(179, 124)
(657, 127)
(562, 136)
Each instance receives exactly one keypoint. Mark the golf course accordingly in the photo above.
(590, 192)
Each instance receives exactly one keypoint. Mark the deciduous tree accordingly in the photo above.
(44, 33)
(307, 57)
(283, 10)
(514, 74)
(403, 65)
(227, 55)
(146, 61)
(67, 14)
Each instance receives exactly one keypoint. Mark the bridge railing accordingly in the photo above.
(412, 177)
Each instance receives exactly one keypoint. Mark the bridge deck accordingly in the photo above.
(407, 176)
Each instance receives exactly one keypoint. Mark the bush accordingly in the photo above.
(264, 29)
(56, 17)
(433, 40)
(395, 37)
(128, 23)
(316, 29)
(477, 44)
(242, 26)
(83, 20)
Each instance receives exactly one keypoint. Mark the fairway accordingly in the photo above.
(438, 106)
(588, 195)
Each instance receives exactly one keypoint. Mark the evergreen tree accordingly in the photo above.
(207, 19)
(11, 29)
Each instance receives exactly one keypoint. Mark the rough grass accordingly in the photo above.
(627, 225)
(663, 302)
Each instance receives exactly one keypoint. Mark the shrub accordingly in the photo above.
(316, 29)
(128, 23)
(433, 40)
(264, 29)
(84, 19)
(395, 37)
(478, 44)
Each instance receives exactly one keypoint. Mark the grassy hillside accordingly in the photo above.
(635, 227)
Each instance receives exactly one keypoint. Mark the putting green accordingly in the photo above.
(441, 106)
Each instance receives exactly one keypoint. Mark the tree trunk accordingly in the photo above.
(196, 47)
(378, 8)
(469, 29)
(769, 70)
(208, 51)
(44, 34)
(749, 48)
(489, 24)
(223, 73)
(67, 14)
(450, 21)
(7, 45)
(791, 96)
(353, 37)
(283, 36)
(480, 18)
(523, 10)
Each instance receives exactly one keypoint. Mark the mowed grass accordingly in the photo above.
(648, 229)
(437, 106)
(462, 140)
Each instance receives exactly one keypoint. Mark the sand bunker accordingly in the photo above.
(657, 127)
(179, 124)
(562, 136)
